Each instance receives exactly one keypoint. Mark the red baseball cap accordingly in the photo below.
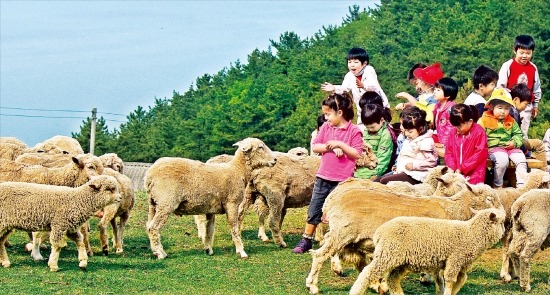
(429, 74)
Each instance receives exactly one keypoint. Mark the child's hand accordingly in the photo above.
(359, 84)
(332, 144)
(400, 106)
(327, 87)
(409, 166)
(510, 145)
(338, 151)
(403, 95)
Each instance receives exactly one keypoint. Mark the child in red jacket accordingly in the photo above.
(466, 151)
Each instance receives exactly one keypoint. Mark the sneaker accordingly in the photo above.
(303, 246)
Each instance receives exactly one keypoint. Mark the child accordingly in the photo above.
(504, 137)
(340, 142)
(378, 137)
(360, 78)
(426, 78)
(520, 69)
(546, 141)
(418, 153)
(371, 97)
(484, 81)
(411, 78)
(320, 121)
(466, 150)
(445, 91)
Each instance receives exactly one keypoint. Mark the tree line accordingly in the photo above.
(275, 95)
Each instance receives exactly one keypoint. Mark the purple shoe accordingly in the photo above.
(303, 246)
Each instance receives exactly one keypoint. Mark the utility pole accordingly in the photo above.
(92, 131)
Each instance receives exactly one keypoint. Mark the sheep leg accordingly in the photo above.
(82, 255)
(505, 274)
(330, 247)
(233, 221)
(153, 231)
(208, 238)
(275, 221)
(109, 213)
(394, 280)
(525, 265)
(3, 253)
(121, 225)
(373, 273)
(85, 230)
(56, 238)
(262, 210)
(460, 281)
(249, 197)
(116, 235)
(451, 274)
(200, 222)
(36, 241)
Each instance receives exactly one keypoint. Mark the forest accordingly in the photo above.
(275, 94)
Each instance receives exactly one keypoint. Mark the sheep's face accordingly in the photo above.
(450, 184)
(298, 151)
(112, 161)
(107, 187)
(367, 159)
(256, 152)
(90, 164)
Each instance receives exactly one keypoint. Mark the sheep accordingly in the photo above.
(426, 188)
(298, 151)
(536, 179)
(68, 145)
(61, 210)
(183, 186)
(44, 159)
(357, 207)
(113, 161)
(406, 244)
(531, 231)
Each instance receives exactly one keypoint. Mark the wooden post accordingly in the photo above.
(92, 130)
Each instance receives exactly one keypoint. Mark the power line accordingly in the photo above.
(68, 111)
(54, 117)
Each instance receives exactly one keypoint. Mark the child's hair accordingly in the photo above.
(449, 87)
(521, 91)
(341, 102)
(484, 75)
(462, 113)
(406, 111)
(415, 119)
(371, 97)
(358, 53)
(321, 120)
(411, 76)
(524, 42)
(372, 113)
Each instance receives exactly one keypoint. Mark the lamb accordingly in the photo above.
(113, 161)
(61, 210)
(406, 244)
(183, 186)
(531, 231)
(298, 151)
(427, 188)
(357, 207)
(68, 145)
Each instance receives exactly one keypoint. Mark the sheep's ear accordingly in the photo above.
(469, 187)
(445, 170)
(95, 186)
(473, 210)
(77, 161)
(442, 181)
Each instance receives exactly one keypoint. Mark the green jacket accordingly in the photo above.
(500, 132)
(382, 145)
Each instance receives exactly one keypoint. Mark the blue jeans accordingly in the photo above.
(321, 189)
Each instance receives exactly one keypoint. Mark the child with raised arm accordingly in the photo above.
(340, 144)
(504, 137)
(418, 153)
(466, 150)
(360, 78)
(484, 80)
(445, 91)
(520, 69)
(378, 136)
(426, 79)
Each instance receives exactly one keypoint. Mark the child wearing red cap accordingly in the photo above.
(504, 137)
(426, 79)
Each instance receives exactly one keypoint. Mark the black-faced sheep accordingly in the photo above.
(188, 187)
(357, 207)
(59, 209)
(413, 244)
(531, 231)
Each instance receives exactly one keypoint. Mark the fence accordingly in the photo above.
(136, 172)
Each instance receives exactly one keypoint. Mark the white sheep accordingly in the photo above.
(426, 188)
(357, 207)
(113, 161)
(68, 145)
(299, 151)
(11, 147)
(413, 244)
(531, 231)
(59, 209)
(187, 187)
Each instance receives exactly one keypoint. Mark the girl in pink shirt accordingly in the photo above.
(445, 91)
(340, 143)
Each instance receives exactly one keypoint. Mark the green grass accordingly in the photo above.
(188, 270)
